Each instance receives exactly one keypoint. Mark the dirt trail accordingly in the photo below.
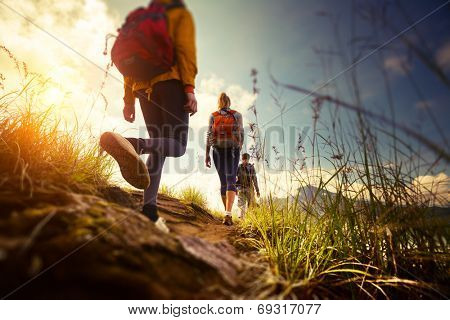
(187, 219)
(200, 223)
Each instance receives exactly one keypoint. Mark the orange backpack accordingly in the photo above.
(225, 127)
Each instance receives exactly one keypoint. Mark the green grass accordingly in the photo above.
(168, 191)
(193, 195)
(218, 214)
(37, 153)
(340, 253)
(189, 194)
(374, 236)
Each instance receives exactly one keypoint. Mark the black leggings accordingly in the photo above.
(226, 162)
(167, 125)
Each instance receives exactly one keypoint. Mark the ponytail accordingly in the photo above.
(224, 101)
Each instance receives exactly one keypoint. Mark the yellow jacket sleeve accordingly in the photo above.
(128, 98)
(185, 49)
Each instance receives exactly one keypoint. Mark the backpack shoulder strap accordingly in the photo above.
(233, 113)
(175, 4)
(236, 126)
(167, 6)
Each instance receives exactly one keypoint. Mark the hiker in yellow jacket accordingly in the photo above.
(166, 102)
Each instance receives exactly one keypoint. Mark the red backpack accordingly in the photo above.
(143, 48)
(225, 127)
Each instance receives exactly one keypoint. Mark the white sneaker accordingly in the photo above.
(160, 224)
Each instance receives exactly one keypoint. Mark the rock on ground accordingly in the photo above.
(60, 245)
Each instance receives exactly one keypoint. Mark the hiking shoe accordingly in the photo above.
(151, 212)
(227, 221)
(161, 225)
(133, 169)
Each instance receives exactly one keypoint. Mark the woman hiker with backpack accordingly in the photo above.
(226, 136)
(155, 51)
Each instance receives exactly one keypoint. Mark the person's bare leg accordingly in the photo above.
(231, 195)
(224, 200)
(229, 200)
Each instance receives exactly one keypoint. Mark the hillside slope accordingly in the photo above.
(59, 245)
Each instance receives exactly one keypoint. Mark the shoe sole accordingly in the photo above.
(227, 223)
(133, 169)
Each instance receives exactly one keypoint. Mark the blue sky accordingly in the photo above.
(235, 36)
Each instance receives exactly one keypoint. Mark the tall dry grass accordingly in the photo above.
(37, 150)
(352, 244)
(194, 195)
(367, 228)
(36, 153)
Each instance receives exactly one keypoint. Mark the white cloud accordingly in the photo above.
(212, 84)
(208, 93)
(81, 25)
(443, 56)
(433, 189)
(397, 64)
(424, 104)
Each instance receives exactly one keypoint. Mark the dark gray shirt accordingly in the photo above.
(246, 177)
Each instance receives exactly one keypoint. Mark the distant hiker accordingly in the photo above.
(155, 51)
(246, 184)
(226, 136)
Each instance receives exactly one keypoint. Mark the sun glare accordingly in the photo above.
(53, 96)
